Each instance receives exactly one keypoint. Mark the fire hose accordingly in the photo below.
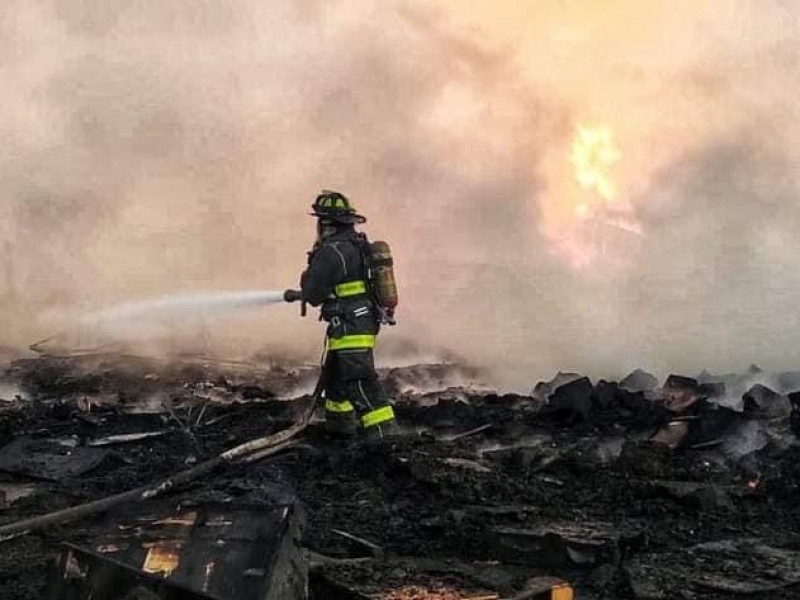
(254, 449)
(250, 451)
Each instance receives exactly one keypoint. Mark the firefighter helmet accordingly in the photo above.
(336, 207)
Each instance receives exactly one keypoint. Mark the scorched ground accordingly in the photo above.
(635, 490)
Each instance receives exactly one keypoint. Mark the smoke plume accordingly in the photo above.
(174, 147)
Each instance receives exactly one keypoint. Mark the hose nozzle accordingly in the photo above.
(292, 296)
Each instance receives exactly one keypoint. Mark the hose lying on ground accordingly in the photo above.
(263, 446)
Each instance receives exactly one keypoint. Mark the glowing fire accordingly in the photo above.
(586, 212)
(593, 153)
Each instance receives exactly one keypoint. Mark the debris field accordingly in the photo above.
(687, 488)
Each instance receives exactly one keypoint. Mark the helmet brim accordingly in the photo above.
(346, 218)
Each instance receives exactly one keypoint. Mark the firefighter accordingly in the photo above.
(336, 280)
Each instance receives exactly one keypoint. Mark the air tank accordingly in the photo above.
(383, 276)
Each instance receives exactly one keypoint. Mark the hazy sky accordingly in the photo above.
(170, 147)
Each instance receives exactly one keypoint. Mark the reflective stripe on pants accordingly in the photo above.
(377, 416)
(340, 406)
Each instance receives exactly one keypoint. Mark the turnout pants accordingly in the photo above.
(354, 398)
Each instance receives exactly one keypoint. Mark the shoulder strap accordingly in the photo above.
(362, 243)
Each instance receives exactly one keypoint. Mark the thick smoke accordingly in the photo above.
(171, 147)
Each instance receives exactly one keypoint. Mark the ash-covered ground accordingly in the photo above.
(685, 489)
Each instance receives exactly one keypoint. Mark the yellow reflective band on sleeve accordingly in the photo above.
(351, 342)
(342, 406)
(378, 416)
(350, 288)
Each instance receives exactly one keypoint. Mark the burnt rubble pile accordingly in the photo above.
(642, 489)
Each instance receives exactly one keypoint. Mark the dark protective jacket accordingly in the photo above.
(336, 280)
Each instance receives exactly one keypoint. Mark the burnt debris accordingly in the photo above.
(619, 490)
